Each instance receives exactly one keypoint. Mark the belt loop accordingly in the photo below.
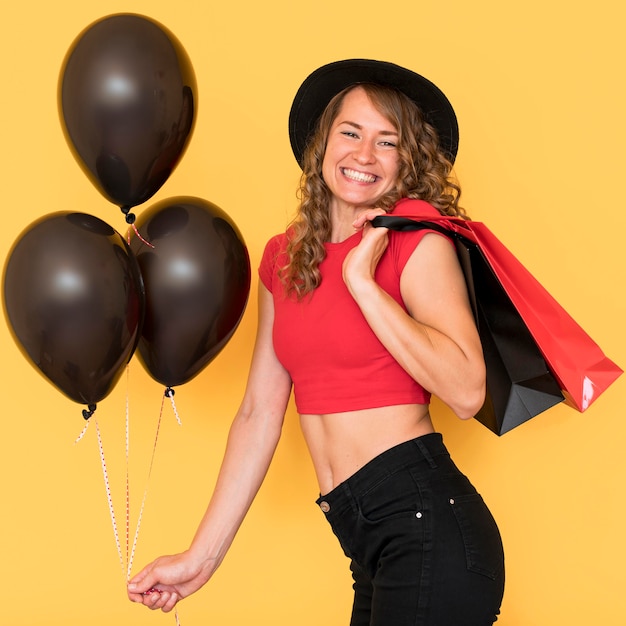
(425, 453)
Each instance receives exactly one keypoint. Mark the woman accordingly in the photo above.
(365, 324)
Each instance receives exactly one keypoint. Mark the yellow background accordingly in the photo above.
(539, 91)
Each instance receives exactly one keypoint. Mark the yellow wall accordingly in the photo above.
(539, 91)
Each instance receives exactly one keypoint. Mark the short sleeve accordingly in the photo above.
(403, 244)
(267, 268)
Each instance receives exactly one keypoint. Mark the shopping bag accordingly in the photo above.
(582, 370)
(519, 383)
(578, 363)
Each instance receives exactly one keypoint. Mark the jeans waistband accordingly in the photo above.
(422, 449)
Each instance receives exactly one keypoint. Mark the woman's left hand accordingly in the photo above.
(361, 262)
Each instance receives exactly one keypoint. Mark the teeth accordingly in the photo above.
(360, 177)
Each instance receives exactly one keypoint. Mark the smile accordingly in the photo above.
(359, 177)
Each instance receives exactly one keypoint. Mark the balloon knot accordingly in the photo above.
(169, 392)
(130, 218)
(87, 413)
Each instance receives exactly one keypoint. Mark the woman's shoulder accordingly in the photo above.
(403, 244)
(275, 247)
(277, 241)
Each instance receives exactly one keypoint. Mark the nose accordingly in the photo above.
(364, 153)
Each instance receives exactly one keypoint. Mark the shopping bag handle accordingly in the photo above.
(404, 224)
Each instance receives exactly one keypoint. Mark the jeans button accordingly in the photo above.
(325, 506)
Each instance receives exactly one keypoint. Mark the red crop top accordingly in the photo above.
(334, 359)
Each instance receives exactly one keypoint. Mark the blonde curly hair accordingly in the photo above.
(425, 174)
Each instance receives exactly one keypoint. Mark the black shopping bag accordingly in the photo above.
(519, 383)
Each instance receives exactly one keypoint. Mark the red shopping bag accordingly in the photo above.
(582, 370)
(576, 361)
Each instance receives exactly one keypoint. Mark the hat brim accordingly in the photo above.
(327, 81)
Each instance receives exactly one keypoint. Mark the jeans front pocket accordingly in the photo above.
(395, 495)
(481, 537)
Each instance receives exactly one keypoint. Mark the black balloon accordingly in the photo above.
(127, 98)
(197, 281)
(74, 301)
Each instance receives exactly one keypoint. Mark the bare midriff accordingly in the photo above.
(342, 443)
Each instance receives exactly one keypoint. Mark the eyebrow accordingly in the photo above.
(359, 127)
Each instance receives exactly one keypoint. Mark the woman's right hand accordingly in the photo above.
(168, 579)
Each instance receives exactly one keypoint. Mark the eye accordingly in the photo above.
(388, 144)
(349, 133)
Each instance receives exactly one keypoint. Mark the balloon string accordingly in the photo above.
(145, 493)
(127, 459)
(130, 553)
(140, 237)
(169, 393)
(82, 433)
(108, 491)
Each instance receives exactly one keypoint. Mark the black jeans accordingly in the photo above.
(424, 548)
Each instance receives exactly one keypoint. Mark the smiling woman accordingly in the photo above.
(353, 318)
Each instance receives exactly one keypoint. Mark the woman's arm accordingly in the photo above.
(437, 343)
(252, 441)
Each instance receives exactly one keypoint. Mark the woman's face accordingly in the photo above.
(361, 162)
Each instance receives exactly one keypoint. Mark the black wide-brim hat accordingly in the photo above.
(327, 81)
